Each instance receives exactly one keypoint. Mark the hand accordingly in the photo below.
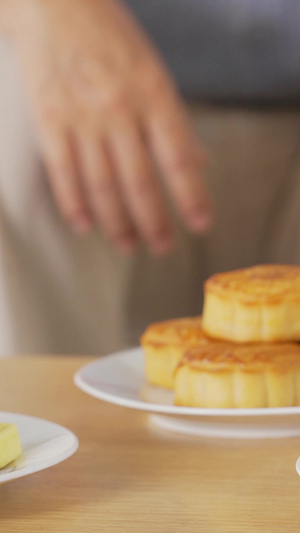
(108, 117)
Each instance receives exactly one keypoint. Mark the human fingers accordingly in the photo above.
(139, 185)
(103, 193)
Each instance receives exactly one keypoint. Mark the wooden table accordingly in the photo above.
(128, 477)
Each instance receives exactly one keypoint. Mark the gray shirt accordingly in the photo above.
(228, 50)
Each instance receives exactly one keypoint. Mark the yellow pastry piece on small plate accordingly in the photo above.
(258, 304)
(164, 344)
(10, 445)
(239, 376)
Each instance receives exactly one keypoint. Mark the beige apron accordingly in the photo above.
(60, 293)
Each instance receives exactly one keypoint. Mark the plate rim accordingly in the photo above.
(142, 405)
(26, 471)
(297, 466)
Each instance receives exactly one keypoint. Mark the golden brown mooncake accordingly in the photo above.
(164, 344)
(222, 375)
(258, 304)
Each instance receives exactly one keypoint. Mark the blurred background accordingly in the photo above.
(233, 68)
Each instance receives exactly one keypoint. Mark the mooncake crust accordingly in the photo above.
(233, 376)
(245, 358)
(164, 344)
(263, 283)
(257, 304)
(179, 331)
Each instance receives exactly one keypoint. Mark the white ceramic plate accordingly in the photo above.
(119, 378)
(44, 444)
(298, 466)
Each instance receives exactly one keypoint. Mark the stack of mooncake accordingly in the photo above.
(242, 352)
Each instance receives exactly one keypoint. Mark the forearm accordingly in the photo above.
(15, 16)
(7, 14)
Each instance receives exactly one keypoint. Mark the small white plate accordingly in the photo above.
(119, 378)
(298, 466)
(44, 444)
